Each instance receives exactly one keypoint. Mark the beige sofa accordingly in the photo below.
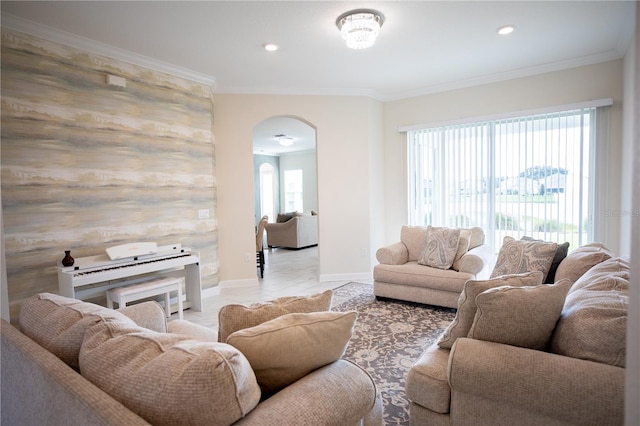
(400, 276)
(301, 230)
(91, 366)
(576, 379)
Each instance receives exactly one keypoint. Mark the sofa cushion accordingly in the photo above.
(169, 379)
(287, 348)
(440, 247)
(416, 275)
(561, 252)
(467, 308)
(593, 323)
(427, 383)
(517, 256)
(581, 260)
(59, 323)
(232, 318)
(519, 316)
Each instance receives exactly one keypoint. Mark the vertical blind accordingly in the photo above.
(527, 175)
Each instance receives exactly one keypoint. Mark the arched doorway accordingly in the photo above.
(285, 178)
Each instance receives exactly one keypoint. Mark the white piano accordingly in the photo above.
(92, 276)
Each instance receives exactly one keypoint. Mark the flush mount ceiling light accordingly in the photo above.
(270, 47)
(360, 27)
(284, 140)
(506, 29)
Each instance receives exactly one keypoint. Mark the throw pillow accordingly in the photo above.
(561, 253)
(289, 347)
(519, 316)
(517, 256)
(463, 247)
(440, 247)
(232, 318)
(59, 324)
(169, 379)
(467, 303)
(593, 323)
(581, 260)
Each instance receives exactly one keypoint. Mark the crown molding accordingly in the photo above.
(82, 43)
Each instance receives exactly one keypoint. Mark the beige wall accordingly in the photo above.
(586, 83)
(345, 136)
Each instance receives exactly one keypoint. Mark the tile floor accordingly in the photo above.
(287, 273)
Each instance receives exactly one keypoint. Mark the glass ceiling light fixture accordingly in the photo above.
(284, 140)
(360, 27)
(506, 29)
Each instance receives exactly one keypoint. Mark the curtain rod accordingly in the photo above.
(544, 110)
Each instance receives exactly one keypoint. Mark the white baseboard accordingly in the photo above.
(362, 277)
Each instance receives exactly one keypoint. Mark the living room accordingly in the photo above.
(361, 159)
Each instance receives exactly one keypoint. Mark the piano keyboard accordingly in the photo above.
(93, 276)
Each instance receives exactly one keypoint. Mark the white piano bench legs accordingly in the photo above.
(130, 293)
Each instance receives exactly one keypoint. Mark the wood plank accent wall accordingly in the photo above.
(86, 165)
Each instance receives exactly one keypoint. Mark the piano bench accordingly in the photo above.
(130, 293)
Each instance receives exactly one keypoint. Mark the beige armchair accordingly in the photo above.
(400, 276)
(298, 232)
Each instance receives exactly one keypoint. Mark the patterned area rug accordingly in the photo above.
(389, 337)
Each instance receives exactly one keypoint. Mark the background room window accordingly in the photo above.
(293, 190)
(267, 195)
(517, 176)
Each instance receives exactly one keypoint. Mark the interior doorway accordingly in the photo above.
(285, 146)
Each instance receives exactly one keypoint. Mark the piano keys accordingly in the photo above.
(92, 276)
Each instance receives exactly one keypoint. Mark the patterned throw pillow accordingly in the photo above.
(519, 316)
(517, 256)
(561, 253)
(467, 303)
(232, 318)
(287, 348)
(440, 247)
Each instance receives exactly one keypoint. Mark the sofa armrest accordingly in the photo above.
(553, 386)
(478, 261)
(395, 254)
(149, 315)
(340, 393)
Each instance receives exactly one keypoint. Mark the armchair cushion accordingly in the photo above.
(440, 247)
(519, 316)
(169, 379)
(287, 348)
(467, 303)
(232, 318)
(518, 256)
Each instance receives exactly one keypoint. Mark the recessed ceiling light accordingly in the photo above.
(270, 47)
(506, 29)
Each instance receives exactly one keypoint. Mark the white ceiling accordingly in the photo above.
(423, 47)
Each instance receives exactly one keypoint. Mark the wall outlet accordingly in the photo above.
(203, 214)
(363, 252)
(247, 257)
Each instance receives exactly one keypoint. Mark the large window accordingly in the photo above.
(293, 190)
(518, 176)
